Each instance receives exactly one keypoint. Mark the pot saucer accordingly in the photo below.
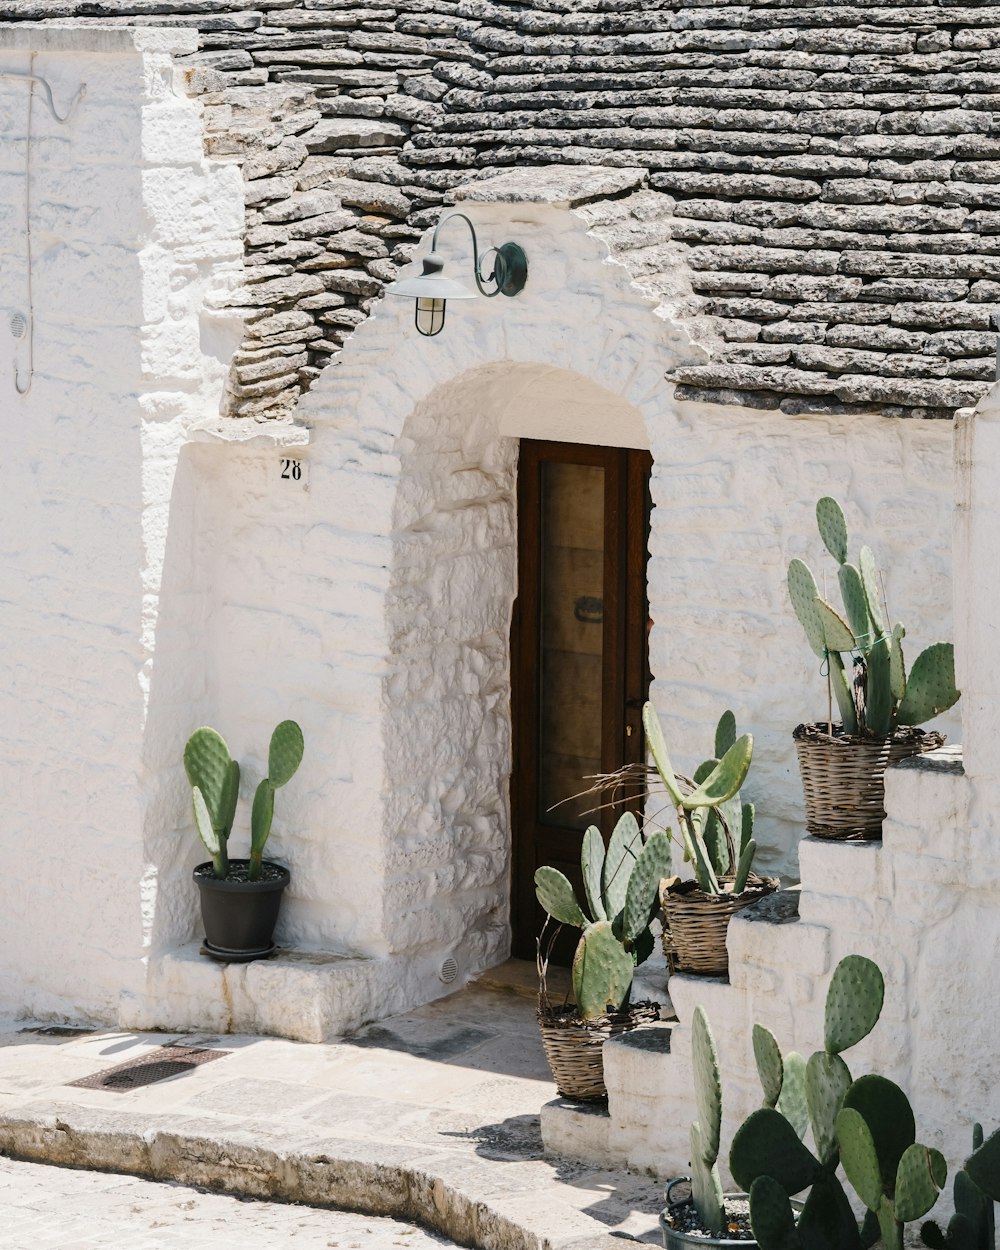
(236, 957)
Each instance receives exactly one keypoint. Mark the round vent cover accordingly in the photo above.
(449, 970)
(18, 325)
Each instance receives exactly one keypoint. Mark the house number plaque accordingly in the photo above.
(294, 472)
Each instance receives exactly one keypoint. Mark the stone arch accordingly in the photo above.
(415, 443)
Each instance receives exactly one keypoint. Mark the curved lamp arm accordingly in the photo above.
(510, 266)
(61, 118)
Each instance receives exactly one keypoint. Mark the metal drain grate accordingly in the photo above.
(158, 1065)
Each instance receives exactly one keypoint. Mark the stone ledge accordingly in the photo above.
(121, 39)
(307, 996)
(249, 433)
(945, 761)
(559, 185)
(468, 1201)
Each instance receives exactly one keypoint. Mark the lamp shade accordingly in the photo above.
(431, 284)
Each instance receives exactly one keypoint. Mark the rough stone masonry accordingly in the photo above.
(827, 176)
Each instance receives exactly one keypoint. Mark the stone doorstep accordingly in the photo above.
(469, 1201)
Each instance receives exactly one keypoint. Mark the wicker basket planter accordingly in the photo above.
(695, 924)
(843, 778)
(575, 1047)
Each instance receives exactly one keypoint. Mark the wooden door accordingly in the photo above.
(580, 669)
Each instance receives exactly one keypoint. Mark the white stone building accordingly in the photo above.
(239, 486)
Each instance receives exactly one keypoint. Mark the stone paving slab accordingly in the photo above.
(431, 1117)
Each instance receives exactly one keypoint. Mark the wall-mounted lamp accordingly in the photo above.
(432, 289)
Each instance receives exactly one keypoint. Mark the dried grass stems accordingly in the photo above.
(630, 783)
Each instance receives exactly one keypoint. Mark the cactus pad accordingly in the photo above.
(855, 603)
(767, 1145)
(602, 971)
(878, 691)
(641, 895)
(853, 1002)
(556, 896)
(622, 854)
(769, 1066)
(837, 634)
(920, 1175)
(707, 1085)
(725, 779)
(285, 753)
(747, 813)
(261, 816)
(804, 594)
(832, 527)
(897, 665)
(706, 1184)
(203, 822)
(792, 1103)
(592, 864)
(887, 1112)
(207, 764)
(725, 734)
(859, 1157)
(743, 866)
(869, 579)
(828, 1079)
(658, 749)
(930, 687)
(771, 1217)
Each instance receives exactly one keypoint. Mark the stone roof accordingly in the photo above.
(822, 182)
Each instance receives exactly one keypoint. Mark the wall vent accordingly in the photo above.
(18, 325)
(448, 970)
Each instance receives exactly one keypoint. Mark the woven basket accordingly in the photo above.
(695, 924)
(575, 1048)
(843, 778)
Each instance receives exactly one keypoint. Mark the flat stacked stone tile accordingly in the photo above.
(823, 181)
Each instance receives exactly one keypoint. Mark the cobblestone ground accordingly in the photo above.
(43, 1207)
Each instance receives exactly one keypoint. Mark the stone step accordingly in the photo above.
(307, 996)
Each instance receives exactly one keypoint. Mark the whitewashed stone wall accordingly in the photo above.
(135, 240)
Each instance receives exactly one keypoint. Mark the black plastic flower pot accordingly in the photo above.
(239, 915)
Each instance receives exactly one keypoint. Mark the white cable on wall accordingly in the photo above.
(22, 326)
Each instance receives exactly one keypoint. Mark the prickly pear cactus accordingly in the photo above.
(712, 815)
(621, 890)
(215, 782)
(867, 1125)
(889, 697)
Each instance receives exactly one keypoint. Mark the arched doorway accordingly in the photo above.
(465, 708)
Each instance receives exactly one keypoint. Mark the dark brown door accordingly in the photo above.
(580, 666)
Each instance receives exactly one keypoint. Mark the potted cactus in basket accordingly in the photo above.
(865, 1125)
(880, 704)
(620, 886)
(716, 829)
(240, 898)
